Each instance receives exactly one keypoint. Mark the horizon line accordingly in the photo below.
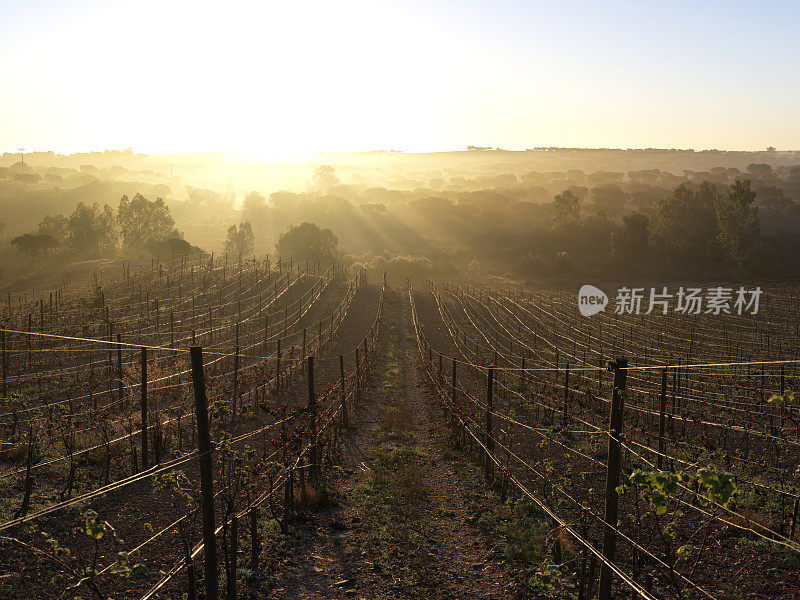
(464, 150)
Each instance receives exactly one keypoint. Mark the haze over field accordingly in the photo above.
(537, 215)
(440, 136)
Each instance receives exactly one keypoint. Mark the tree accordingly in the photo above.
(208, 199)
(27, 178)
(240, 241)
(142, 222)
(567, 209)
(34, 245)
(649, 176)
(631, 242)
(254, 203)
(255, 211)
(760, 170)
(283, 200)
(772, 198)
(645, 197)
(308, 242)
(737, 220)
(601, 178)
(172, 247)
(56, 226)
(324, 178)
(609, 199)
(581, 191)
(686, 225)
(92, 232)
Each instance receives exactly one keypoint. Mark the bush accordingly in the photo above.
(172, 246)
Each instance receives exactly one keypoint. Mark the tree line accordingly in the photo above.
(688, 229)
(306, 241)
(137, 226)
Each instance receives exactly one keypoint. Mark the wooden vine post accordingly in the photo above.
(236, 372)
(453, 392)
(489, 408)
(345, 418)
(453, 384)
(4, 360)
(26, 500)
(278, 366)
(565, 420)
(312, 408)
(266, 335)
(206, 473)
(255, 540)
(119, 366)
(662, 419)
(358, 377)
(144, 407)
(612, 476)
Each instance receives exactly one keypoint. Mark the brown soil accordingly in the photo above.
(338, 551)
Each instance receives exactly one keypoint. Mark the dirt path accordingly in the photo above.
(404, 516)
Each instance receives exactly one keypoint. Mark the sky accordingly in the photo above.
(284, 79)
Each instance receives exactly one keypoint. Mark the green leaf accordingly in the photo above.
(718, 486)
(669, 532)
(92, 526)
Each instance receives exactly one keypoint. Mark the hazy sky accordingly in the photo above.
(293, 77)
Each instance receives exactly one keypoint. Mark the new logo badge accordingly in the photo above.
(591, 300)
